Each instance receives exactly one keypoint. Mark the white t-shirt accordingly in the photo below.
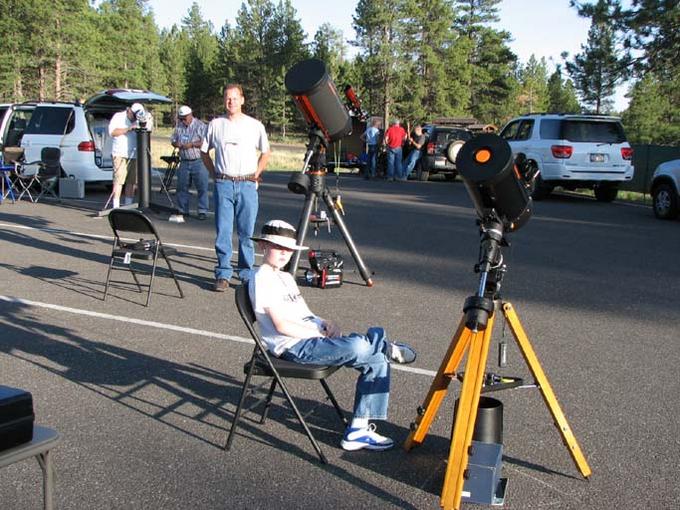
(277, 289)
(125, 145)
(236, 144)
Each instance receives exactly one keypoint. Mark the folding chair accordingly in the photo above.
(130, 220)
(264, 364)
(46, 175)
(172, 162)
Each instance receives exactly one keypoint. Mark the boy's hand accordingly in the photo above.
(330, 330)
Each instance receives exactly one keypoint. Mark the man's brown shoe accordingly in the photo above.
(221, 285)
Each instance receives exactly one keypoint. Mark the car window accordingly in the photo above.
(3, 111)
(550, 129)
(525, 129)
(593, 131)
(49, 120)
(17, 126)
(510, 130)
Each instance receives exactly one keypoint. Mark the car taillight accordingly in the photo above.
(562, 151)
(86, 146)
(627, 153)
(431, 147)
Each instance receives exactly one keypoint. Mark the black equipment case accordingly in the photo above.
(16, 417)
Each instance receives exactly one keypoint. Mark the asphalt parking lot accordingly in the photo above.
(143, 397)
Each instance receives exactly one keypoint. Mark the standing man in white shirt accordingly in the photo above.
(241, 155)
(124, 151)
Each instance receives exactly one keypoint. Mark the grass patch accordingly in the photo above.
(283, 159)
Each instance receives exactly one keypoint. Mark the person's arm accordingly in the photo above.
(205, 152)
(285, 326)
(262, 163)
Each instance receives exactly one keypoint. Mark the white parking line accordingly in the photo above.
(170, 327)
(95, 236)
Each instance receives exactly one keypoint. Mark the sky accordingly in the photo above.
(544, 28)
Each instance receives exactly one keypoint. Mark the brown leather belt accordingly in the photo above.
(236, 178)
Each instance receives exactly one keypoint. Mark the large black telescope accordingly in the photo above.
(498, 184)
(317, 98)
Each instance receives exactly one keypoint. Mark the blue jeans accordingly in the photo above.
(393, 162)
(410, 163)
(366, 353)
(235, 200)
(192, 171)
(372, 162)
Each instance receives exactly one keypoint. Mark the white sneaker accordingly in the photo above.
(402, 353)
(368, 438)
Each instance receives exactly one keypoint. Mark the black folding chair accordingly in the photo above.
(263, 363)
(147, 248)
(46, 175)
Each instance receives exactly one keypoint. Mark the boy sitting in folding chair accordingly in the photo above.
(293, 333)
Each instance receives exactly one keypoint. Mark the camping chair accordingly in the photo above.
(172, 162)
(147, 248)
(263, 363)
(46, 175)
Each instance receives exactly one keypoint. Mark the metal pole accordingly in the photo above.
(143, 168)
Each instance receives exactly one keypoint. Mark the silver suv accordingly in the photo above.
(573, 151)
(665, 190)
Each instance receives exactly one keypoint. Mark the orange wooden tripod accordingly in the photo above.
(475, 342)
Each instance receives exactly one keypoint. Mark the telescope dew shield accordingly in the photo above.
(487, 167)
(317, 98)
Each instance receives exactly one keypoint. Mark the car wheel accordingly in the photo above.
(541, 189)
(605, 193)
(665, 202)
(422, 174)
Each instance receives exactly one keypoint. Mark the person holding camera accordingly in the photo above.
(188, 138)
(122, 128)
(416, 140)
(241, 155)
(293, 333)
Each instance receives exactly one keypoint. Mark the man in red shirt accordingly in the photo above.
(394, 139)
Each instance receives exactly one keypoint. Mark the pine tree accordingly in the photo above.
(597, 70)
(491, 84)
(561, 94)
(378, 34)
(533, 95)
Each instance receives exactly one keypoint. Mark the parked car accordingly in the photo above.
(13, 121)
(665, 190)
(433, 159)
(80, 130)
(573, 151)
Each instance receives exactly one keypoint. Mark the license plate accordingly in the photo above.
(597, 158)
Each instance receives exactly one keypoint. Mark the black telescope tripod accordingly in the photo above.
(473, 337)
(311, 182)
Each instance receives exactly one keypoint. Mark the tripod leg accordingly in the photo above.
(465, 417)
(546, 390)
(439, 387)
(337, 217)
(302, 231)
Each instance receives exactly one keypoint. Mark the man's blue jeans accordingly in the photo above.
(192, 171)
(410, 163)
(366, 353)
(235, 201)
(393, 162)
(372, 162)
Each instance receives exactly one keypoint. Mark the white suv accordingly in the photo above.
(573, 151)
(80, 130)
(665, 190)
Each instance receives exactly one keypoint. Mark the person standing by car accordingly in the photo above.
(188, 138)
(416, 139)
(394, 140)
(241, 155)
(124, 151)
(370, 137)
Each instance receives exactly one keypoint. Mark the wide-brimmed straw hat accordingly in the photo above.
(280, 233)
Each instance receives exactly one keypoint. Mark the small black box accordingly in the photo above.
(16, 417)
